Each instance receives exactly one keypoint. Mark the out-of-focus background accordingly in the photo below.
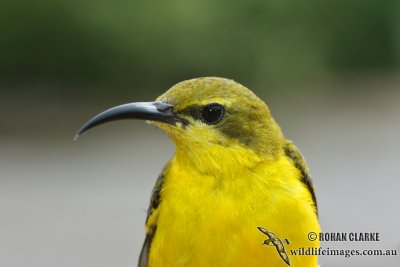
(329, 71)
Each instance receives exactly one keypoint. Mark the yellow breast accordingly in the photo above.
(208, 220)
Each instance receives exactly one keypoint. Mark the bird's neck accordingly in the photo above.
(218, 160)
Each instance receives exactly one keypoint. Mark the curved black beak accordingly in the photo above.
(154, 111)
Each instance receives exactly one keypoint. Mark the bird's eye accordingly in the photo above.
(212, 113)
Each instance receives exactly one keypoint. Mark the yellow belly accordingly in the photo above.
(205, 221)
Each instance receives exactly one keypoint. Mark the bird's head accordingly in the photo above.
(209, 119)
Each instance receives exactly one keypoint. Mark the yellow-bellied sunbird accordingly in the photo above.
(233, 182)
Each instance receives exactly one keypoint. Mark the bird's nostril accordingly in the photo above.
(167, 109)
(164, 107)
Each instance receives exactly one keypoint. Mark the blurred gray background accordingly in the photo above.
(329, 72)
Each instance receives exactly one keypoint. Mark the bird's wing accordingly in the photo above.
(294, 154)
(151, 221)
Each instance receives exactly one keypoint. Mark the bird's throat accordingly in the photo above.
(217, 160)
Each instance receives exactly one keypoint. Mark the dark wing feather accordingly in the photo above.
(144, 254)
(151, 225)
(294, 154)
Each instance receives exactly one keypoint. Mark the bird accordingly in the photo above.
(232, 172)
(273, 240)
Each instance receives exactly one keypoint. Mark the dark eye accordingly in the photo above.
(212, 113)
